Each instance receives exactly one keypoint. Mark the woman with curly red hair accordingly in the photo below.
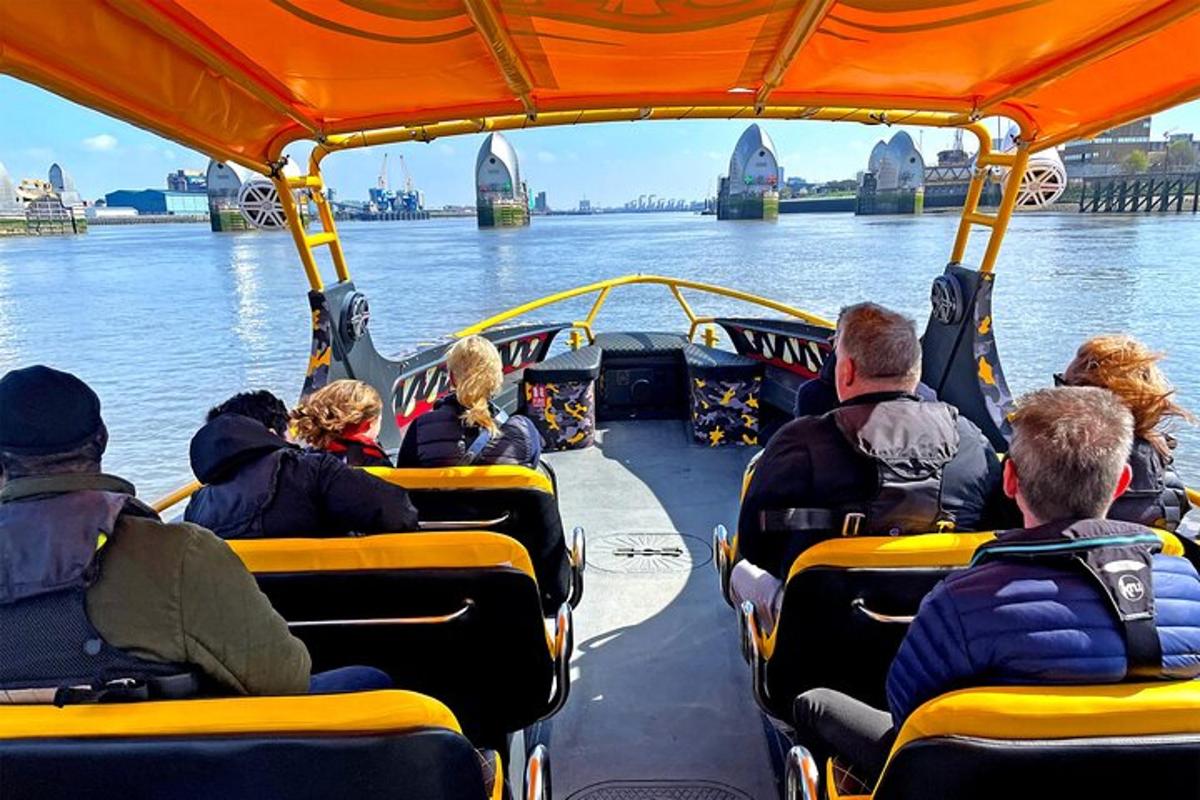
(1129, 369)
(342, 418)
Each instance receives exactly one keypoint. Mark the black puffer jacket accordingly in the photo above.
(259, 486)
(1156, 495)
(439, 438)
(929, 464)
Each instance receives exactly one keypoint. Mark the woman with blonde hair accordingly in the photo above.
(465, 427)
(343, 418)
(1156, 495)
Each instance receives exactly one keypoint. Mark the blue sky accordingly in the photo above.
(608, 164)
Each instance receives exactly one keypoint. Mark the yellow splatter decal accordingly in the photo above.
(715, 436)
(985, 325)
(985, 372)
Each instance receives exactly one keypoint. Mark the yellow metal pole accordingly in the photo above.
(683, 303)
(596, 306)
(299, 237)
(178, 496)
(974, 192)
(1008, 202)
(330, 227)
(604, 286)
(710, 336)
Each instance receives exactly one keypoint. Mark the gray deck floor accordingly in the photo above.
(660, 698)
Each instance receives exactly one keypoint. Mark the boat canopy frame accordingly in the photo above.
(987, 160)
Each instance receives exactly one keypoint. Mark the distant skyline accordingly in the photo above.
(608, 163)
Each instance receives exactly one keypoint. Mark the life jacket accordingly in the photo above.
(441, 439)
(910, 444)
(50, 554)
(1117, 558)
(359, 451)
(234, 508)
(1156, 495)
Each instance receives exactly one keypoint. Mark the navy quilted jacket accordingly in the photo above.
(1010, 623)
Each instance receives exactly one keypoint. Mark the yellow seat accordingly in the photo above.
(453, 615)
(1123, 740)
(348, 745)
(846, 607)
(514, 500)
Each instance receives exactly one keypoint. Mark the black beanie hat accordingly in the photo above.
(44, 411)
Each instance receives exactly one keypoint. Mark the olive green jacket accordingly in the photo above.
(175, 592)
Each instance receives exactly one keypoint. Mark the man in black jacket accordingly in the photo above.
(259, 486)
(882, 463)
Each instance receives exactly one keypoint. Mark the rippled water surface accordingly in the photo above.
(165, 320)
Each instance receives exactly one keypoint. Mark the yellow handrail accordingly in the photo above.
(603, 288)
(174, 498)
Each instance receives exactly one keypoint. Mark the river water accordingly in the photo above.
(165, 320)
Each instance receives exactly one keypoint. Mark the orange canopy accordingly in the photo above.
(239, 79)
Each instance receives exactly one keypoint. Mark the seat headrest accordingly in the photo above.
(1024, 713)
(906, 552)
(389, 711)
(492, 476)
(443, 550)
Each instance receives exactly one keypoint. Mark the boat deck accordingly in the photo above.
(660, 703)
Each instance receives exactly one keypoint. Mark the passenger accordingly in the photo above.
(1025, 612)
(904, 465)
(343, 418)
(465, 427)
(1127, 368)
(261, 487)
(819, 395)
(93, 584)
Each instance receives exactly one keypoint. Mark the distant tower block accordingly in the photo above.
(751, 190)
(894, 182)
(501, 199)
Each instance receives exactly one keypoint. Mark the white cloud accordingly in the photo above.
(546, 157)
(100, 143)
(715, 156)
(168, 154)
(445, 149)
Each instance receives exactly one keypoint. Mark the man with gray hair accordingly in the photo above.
(1072, 598)
(882, 463)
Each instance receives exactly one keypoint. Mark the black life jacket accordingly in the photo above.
(1117, 557)
(891, 457)
(233, 509)
(910, 445)
(1156, 495)
(49, 649)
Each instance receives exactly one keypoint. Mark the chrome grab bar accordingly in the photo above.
(461, 525)
(537, 774)
(442, 619)
(577, 555)
(859, 605)
(758, 664)
(852, 523)
(802, 775)
(723, 560)
(563, 638)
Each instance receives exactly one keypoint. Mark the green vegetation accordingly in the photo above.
(1181, 155)
(1137, 161)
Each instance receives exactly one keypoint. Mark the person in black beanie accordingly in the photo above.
(83, 561)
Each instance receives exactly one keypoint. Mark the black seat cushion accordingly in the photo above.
(709, 362)
(580, 365)
(634, 344)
